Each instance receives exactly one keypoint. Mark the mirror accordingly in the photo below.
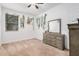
(54, 25)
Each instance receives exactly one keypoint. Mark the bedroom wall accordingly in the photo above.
(67, 12)
(23, 33)
(0, 24)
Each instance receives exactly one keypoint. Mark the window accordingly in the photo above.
(11, 22)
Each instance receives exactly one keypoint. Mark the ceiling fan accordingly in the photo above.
(35, 4)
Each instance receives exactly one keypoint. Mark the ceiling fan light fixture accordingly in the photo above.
(35, 4)
(29, 5)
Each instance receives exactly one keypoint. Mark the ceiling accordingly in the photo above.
(22, 7)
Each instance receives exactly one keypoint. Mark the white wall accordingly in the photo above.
(68, 13)
(21, 34)
(0, 24)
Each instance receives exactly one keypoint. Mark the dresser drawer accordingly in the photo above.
(54, 39)
(50, 42)
(59, 44)
(51, 38)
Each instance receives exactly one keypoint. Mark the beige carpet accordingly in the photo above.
(32, 47)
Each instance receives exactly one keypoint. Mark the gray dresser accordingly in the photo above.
(74, 39)
(54, 39)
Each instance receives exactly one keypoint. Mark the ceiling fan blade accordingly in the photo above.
(39, 3)
(36, 6)
(29, 6)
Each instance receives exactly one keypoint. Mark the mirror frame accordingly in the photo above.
(59, 20)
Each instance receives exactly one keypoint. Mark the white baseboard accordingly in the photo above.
(14, 41)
